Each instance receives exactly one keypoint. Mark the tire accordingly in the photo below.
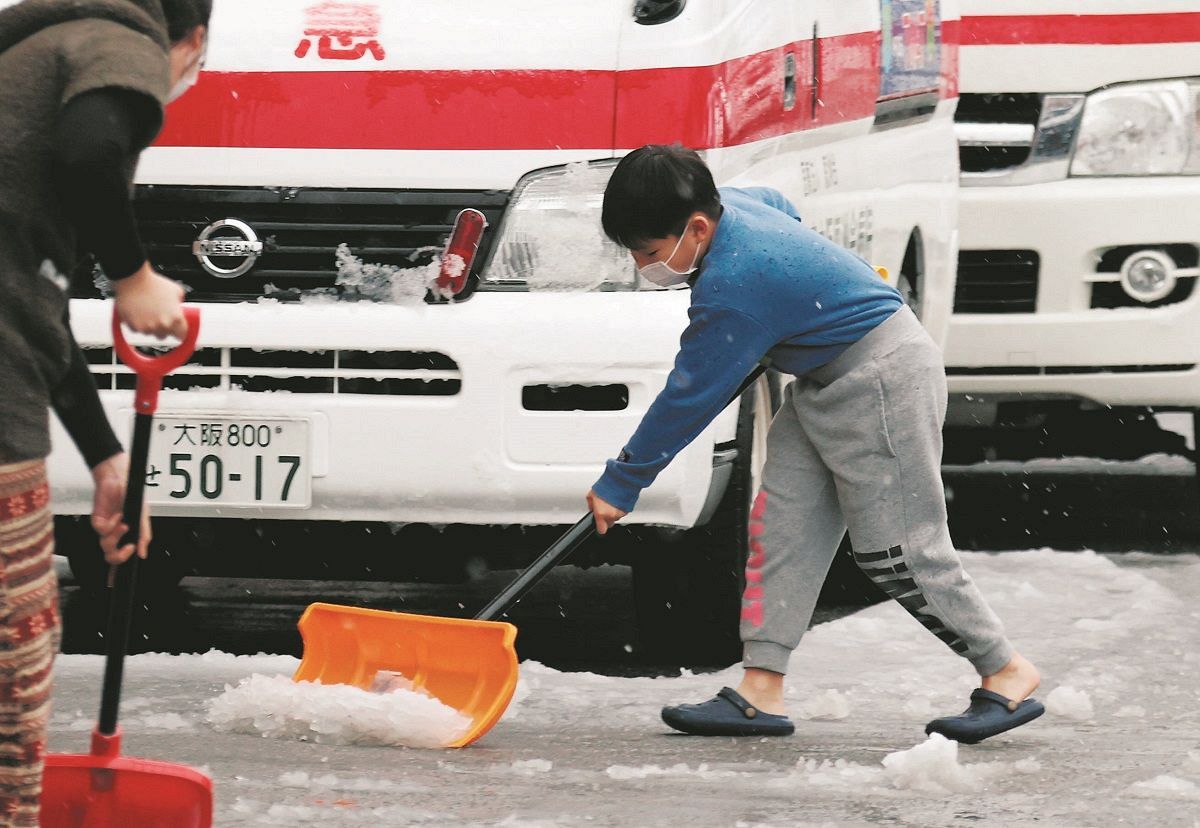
(688, 590)
(158, 610)
(75, 540)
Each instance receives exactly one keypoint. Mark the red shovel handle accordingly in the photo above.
(151, 370)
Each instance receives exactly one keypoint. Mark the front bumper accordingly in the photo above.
(1119, 356)
(479, 456)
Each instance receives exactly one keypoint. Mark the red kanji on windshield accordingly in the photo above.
(342, 31)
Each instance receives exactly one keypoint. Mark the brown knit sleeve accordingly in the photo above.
(99, 53)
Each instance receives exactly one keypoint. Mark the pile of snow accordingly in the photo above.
(931, 767)
(836, 774)
(280, 708)
(828, 706)
(1171, 786)
(1071, 703)
(1166, 787)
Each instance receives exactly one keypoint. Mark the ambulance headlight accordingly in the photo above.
(1140, 129)
(550, 237)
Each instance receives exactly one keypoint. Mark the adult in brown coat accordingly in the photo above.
(83, 84)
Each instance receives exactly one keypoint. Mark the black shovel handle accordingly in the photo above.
(568, 543)
(150, 372)
(120, 609)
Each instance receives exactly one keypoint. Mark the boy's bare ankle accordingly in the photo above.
(764, 690)
(1015, 680)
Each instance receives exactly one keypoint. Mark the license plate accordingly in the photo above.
(229, 461)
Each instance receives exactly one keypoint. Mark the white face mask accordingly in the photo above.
(663, 275)
(189, 77)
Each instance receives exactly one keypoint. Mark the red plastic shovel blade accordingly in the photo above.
(86, 791)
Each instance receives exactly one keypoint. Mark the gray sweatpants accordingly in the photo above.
(858, 444)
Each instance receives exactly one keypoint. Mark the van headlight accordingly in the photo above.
(550, 237)
(1140, 129)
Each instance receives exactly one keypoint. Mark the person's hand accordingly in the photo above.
(110, 477)
(604, 513)
(150, 303)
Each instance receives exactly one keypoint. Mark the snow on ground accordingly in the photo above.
(1115, 638)
(1069, 702)
(1054, 604)
(277, 707)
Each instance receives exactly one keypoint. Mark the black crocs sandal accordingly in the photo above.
(989, 714)
(726, 714)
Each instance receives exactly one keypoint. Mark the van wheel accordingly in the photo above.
(75, 540)
(688, 589)
(157, 605)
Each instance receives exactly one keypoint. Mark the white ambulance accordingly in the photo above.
(1079, 128)
(335, 397)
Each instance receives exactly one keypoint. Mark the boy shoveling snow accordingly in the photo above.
(856, 444)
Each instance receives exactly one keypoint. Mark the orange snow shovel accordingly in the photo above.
(467, 664)
(102, 789)
(470, 665)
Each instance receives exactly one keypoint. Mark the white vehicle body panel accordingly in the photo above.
(1113, 356)
(479, 456)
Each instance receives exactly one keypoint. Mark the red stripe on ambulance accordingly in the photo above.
(1081, 29)
(739, 101)
(731, 103)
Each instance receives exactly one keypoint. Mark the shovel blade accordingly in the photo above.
(86, 791)
(468, 665)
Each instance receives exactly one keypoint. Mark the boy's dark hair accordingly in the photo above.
(652, 193)
(185, 15)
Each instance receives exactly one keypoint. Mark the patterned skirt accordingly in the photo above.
(29, 636)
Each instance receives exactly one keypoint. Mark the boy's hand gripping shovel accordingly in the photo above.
(467, 664)
(102, 789)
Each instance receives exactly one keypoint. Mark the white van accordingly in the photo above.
(329, 395)
(1079, 132)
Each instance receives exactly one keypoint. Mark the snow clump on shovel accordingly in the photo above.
(336, 714)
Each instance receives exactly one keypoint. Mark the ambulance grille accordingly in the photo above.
(995, 130)
(300, 230)
(386, 373)
(997, 281)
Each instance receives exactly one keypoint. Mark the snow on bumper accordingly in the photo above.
(1115, 356)
(478, 456)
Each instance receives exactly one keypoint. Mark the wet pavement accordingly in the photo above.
(1117, 639)
(587, 748)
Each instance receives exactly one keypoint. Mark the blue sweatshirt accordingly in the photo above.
(770, 286)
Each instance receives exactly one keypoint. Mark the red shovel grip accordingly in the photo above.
(151, 370)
